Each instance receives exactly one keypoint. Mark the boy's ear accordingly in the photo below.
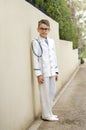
(37, 29)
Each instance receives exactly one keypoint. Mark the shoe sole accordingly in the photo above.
(49, 119)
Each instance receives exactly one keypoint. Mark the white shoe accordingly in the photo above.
(55, 116)
(50, 118)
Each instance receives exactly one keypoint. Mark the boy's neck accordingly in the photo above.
(43, 37)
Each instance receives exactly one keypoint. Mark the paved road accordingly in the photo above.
(71, 106)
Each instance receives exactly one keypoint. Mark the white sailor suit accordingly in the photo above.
(45, 64)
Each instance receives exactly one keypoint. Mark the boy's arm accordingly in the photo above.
(56, 65)
(35, 48)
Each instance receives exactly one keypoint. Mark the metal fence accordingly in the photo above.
(31, 1)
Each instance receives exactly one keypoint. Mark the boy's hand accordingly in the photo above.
(40, 79)
(56, 78)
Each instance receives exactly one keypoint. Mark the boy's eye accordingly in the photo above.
(44, 29)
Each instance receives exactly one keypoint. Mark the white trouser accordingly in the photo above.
(47, 94)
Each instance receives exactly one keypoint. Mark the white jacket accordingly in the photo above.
(44, 57)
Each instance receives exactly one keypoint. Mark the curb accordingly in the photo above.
(35, 124)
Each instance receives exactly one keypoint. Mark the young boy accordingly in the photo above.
(45, 67)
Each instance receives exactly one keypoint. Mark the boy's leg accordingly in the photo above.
(52, 90)
(45, 98)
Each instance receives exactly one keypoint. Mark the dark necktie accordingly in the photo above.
(46, 41)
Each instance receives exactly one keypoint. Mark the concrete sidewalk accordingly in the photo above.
(70, 106)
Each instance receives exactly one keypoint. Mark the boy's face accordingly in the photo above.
(43, 30)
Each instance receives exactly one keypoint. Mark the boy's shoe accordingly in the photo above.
(55, 116)
(50, 118)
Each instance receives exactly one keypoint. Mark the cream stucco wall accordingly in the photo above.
(19, 92)
(67, 61)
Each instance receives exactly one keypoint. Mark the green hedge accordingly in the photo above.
(59, 11)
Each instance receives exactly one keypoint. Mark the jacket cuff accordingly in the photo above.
(38, 72)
